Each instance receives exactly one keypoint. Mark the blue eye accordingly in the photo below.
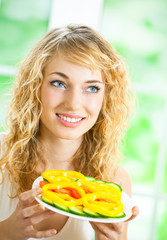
(93, 89)
(58, 84)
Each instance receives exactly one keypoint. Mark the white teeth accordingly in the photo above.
(68, 119)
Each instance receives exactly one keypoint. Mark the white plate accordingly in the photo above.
(125, 200)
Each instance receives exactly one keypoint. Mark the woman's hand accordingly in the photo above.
(113, 231)
(21, 224)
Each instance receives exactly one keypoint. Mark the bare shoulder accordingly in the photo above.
(122, 177)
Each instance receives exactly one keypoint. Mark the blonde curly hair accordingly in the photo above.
(100, 146)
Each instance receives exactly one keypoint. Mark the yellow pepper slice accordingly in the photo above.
(51, 175)
(98, 195)
(101, 187)
(55, 198)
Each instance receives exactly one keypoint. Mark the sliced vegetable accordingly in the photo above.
(77, 210)
(72, 192)
(114, 185)
(48, 201)
(75, 194)
(90, 213)
(54, 175)
(63, 191)
(90, 178)
(120, 215)
(42, 183)
(61, 207)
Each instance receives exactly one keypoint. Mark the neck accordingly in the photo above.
(59, 153)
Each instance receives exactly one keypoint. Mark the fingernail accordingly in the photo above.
(38, 190)
(43, 207)
(53, 231)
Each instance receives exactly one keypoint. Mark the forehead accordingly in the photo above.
(59, 63)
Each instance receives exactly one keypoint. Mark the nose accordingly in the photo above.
(73, 99)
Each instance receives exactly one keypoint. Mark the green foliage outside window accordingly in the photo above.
(21, 25)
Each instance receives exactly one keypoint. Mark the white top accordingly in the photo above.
(74, 229)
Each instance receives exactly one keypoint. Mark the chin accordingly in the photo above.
(70, 137)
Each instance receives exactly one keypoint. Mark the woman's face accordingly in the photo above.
(71, 97)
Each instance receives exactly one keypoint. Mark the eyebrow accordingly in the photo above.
(94, 81)
(66, 77)
(60, 74)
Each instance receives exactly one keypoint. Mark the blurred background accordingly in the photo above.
(138, 30)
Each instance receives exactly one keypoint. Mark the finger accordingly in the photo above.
(31, 232)
(94, 226)
(26, 198)
(98, 231)
(45, 234)
(33, 210)
(105, 230)
(118, 227)
(39, 218)
(135, 212)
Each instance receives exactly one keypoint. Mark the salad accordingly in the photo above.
(75, 193)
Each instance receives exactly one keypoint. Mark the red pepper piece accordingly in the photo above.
(63, 191)
(87, 191)
(103, 200)
(75, 194)
(42, 183)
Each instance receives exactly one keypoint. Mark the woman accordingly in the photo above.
(70, 106)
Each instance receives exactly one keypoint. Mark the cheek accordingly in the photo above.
(48, 98)
(94, 105)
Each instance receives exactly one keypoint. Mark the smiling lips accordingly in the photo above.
(69, 120)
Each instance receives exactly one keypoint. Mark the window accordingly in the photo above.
(20, 26)
(138, 30)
